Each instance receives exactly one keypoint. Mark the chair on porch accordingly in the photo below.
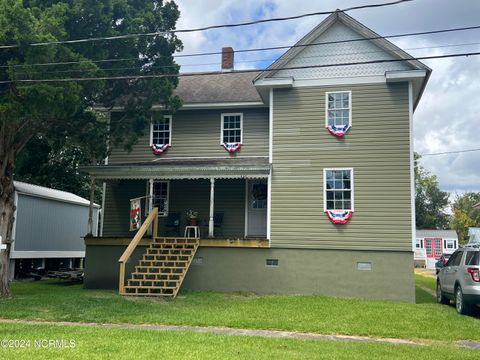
(217, 223)
(172, 223)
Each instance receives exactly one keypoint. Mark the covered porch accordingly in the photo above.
(230, 198)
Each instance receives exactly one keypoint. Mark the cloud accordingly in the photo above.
(447, 117)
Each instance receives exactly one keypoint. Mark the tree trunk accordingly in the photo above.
(7, 211)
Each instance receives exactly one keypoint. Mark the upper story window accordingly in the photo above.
(160, 192)
(338, 108)
(160, 131)
(232, 128)
(338, 185)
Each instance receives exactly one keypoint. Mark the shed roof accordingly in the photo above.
(188, 168)
(432, 233)
(221, 87)
(48, 193)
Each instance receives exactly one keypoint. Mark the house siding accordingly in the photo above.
(184, 195)
(377, 147)
(196, 133)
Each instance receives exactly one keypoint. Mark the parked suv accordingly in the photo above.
(459, 280)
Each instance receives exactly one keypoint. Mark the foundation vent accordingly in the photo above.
(271, 263)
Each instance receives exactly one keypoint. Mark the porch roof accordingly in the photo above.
(187, 168)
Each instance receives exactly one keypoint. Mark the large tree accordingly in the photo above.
(430, 201)
(464, 215)
(64, 108)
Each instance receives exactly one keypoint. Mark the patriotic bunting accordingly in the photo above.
(158, 149)
(339, 216)
(232, 147)
(338, 130)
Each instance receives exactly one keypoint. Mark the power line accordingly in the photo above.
(430, 32)
(451, 152)
(163, 33)
(138, 77)
(475, 27)
(237, 62)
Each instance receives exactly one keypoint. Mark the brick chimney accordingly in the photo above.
(227, 59)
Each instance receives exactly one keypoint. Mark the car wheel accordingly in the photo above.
(460, 305)
(441, 299)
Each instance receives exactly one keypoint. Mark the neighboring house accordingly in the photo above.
(431, 244)
(48, 229)
(476, 206)
(311, 167)
(474, 235)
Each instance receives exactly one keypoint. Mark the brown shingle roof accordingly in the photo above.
(222, 87)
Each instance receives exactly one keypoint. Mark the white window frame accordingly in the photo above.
(169, 117)
(352, 197)
(451, 241)
(349, 105)
(419, 241)
(160, 214)
(222, 125)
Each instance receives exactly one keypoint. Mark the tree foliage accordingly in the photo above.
(41, 108)
(430, 201)
(464, 215)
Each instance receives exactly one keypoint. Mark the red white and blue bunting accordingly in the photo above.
(338, 130)
(158, 149)
(232, 147)
(339, 216)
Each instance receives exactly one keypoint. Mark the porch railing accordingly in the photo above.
(152, 219)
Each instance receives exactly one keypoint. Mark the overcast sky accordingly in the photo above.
(447, 118)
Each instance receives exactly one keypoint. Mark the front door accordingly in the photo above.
(257, 208)
(433, 248)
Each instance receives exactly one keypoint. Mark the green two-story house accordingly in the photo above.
(297, 179)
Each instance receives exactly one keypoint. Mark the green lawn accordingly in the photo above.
(54, 300)
(426, 281)
(98, 343)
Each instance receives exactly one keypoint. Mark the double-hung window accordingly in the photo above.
(338, 189)
(232, 125)
(160, 192)
(161, 130)
(338, 109)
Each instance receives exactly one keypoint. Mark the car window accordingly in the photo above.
(458, 258)
(452, 259)
(455, 259)
(472, 258)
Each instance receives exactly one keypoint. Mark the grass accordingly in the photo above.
(54, 300)
(426, 281)
(101, 343)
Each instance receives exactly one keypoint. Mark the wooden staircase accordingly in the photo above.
(162, 268)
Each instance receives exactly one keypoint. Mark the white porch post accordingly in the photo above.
(212, 198)
(90, 208)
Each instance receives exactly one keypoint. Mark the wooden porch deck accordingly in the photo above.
(204, 242)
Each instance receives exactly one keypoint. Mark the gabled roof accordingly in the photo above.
(47, 193)
(340, 17)
(442, 234)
